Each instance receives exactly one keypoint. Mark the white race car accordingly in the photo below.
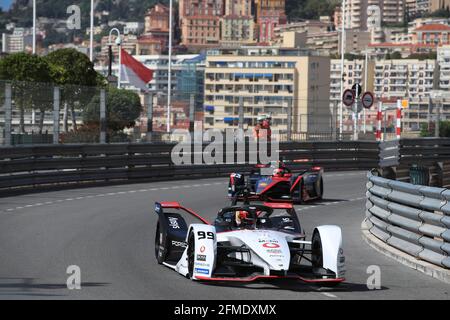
(247, 243)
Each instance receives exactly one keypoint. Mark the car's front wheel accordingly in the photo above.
(317, 262)
(191, 255)
(159, 245)
(299, 194)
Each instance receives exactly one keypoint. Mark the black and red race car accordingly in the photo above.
(275, 182)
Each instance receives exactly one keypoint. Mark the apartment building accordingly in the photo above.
(269, 80)
(401, 78)
(392, 12)
(269, 15)
(354, 72)
(157, 18)
(428, 6)
(133, 27)
(355, 41)
(18, 41)
(238, 26)
(432, 34)
(411, 7)
(443, 59)
(200, 22)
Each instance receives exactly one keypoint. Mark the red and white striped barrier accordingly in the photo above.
(398, 129)
(379, 119)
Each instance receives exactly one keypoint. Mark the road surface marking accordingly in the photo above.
(111, 194)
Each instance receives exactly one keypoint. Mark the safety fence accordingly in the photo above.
(412, 218)
(430, 155)
(53, 165)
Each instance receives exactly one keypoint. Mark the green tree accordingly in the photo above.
(444, 129)
(396, 55)
(75, 73)
(123, 108)
(26, 72)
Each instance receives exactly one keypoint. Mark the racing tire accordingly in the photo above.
(316, 251)
(191, 255)
(317, 259)
(299, 200)
(320, 197)
(160, 252)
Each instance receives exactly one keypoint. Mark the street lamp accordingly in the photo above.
(119, 44)
(342, 67)
(91, 49)
(34, 26)
(169, 86)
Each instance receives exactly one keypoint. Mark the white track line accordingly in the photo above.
(329, 204)
(40, 204)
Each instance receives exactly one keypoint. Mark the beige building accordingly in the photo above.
(308, 26)
(268, 80)
(238, 26)
(428, 6)
(401, 78)
(200, 23)
(355, 41)
(313, 34)
(411, 7)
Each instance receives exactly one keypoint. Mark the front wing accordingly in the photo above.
(271, 277)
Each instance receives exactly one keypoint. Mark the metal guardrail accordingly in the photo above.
(414, 219)
(39, 166)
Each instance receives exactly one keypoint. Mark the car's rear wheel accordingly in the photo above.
(191, 254)
(320, 197)
(299, 199)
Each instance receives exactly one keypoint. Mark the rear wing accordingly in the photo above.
(160, 206)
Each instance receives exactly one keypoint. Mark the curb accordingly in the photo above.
(404, 258)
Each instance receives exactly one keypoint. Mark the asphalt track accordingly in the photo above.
(109, 233)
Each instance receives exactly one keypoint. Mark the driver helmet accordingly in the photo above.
(278, 172)
(261, 118)
(240, 216)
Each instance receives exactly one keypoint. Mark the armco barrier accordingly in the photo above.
(39, 166)
(414, 219)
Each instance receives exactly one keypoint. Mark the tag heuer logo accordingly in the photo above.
(201, 257)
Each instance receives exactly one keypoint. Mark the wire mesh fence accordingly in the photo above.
(43, 113)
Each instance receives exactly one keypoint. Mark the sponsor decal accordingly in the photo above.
(179, 244)
(201, 257)
(201, 271)
(267, 240)
(173, 223)
(202, 264)
(263, 184)
(274, 251)
(271, 245)
(202, 249)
